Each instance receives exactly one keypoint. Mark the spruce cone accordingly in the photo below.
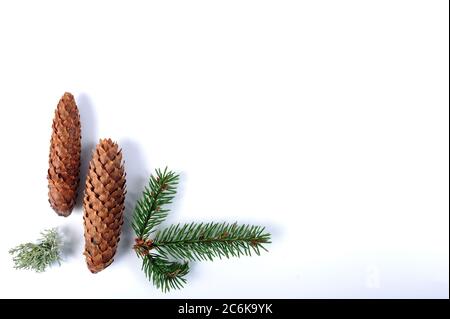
(104, 203)
(64, 159)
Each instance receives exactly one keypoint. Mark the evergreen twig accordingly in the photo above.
(205, 241)
(38, 256)
(165, 274)
(149, 212)
(187, 242)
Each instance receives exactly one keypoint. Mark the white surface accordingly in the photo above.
(326, 121)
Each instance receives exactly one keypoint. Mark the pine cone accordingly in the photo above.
(64, 159)
(104, 203)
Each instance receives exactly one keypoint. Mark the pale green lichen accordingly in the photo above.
(41, 255)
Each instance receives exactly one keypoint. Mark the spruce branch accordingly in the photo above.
(211, 240)
(165, 274)
(149, 212)
(187, 242)
(38, 256)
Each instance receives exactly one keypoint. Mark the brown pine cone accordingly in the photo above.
(104, 203)
(64, 160)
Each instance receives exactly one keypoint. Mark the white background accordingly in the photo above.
(326, 121)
